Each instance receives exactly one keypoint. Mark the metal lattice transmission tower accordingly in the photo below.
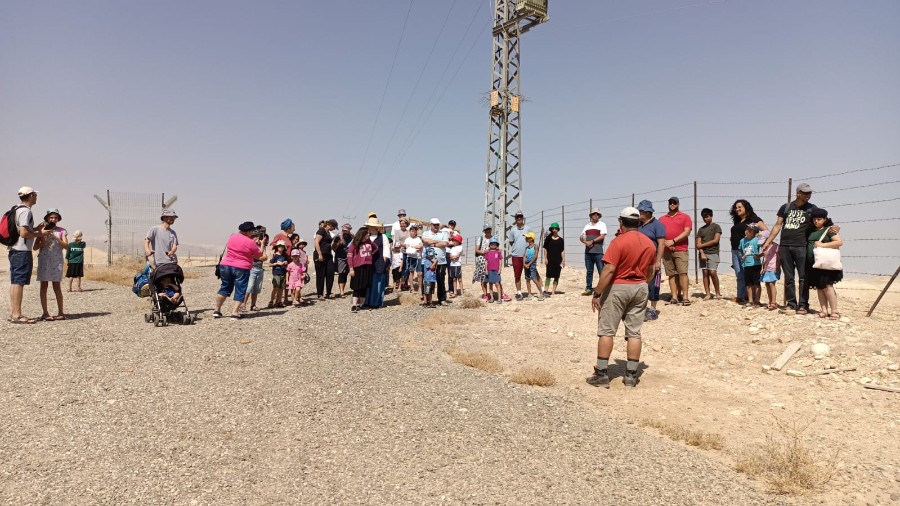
(503, 187)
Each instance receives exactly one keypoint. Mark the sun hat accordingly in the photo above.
(401, 212)
(519, 213)
(26, 190)
(286, 224)
(494, 240)
(403, 220)
(373, 222)
(246, 226)
(280, 244)
(486, 227)
(302, 241)
(52, 211)
(595, 210)
(818, 213)
(435, 221)
(804, 187)
(295, 252)
(168, 213)
(554, 225)
(630, 212)
(529, 235)
(347, 226)
(372, 214)
(646, 206)
(675, 199)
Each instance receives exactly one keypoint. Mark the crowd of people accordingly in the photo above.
(425, 257)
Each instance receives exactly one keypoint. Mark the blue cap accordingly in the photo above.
(645, 205)
(494, 240)
(286, 224)
(429, 252)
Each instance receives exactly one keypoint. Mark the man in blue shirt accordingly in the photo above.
(517, 245)
(438, 240)
(656, 232)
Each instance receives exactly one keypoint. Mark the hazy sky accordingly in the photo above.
(262, 110)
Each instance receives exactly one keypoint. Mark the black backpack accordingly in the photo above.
(9, 232)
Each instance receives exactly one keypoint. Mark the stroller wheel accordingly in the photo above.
(186, 319)
(163, 321)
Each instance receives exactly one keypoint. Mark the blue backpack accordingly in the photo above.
(141, 286)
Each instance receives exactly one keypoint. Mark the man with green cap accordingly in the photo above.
(554, 258)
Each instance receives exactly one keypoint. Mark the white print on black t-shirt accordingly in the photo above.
(795, 219)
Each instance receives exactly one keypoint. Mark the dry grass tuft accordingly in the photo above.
(480, 361)
(786, 463)
(535, 376)
(443, 320)
(470, 302)
(121, 272)
(409, 299)
(700, 439)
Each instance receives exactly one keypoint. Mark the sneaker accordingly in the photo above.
(540, 297)
(587, 291)
(630, 379)
(236, 316)
(217, 314)
(599, 379)
(354, 309)
(506, 297)
(650, 314)
(518, 296)
(485, 297)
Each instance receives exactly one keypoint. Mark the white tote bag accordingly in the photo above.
(828, 259)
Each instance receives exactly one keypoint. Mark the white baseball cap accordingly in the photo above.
(435, 221)
(26, 190)
(630, 212)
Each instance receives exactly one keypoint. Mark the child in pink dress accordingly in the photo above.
(771, 270)
(295, 270)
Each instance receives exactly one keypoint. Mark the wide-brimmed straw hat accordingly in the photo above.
(373, 222)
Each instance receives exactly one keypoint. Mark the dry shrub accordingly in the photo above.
(121, 272)
(477, 360)
(535, 376)
(409, 299)
(786, 463)
(442, 320)
(700, 439)
(470, 302)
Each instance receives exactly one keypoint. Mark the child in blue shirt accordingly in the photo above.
(531, 272)
(279, 263)
(750, 256)
(430, 276)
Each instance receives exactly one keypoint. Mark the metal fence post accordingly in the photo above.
(696, 251)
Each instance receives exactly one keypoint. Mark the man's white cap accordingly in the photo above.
(630, 212)
(26, 190)
(435, 221)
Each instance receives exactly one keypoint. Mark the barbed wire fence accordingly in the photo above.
(866, 211)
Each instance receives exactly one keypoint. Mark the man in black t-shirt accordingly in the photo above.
(794, 224)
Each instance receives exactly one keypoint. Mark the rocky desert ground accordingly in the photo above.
(317, 405)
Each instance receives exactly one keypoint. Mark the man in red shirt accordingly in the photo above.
(621, 296)
(675, 257)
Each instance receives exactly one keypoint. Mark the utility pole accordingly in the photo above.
(503, 185)
(107, 204)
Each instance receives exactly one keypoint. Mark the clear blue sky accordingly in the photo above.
(262, 110)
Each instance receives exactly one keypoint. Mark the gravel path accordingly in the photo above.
(321, 406)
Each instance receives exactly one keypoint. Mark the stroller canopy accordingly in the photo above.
(167, 270)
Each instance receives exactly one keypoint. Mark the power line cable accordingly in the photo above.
(383, 95)
(411, 94)
(854, 171)
(428, 116)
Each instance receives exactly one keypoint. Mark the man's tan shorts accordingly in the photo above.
(675, 262)
(623, 303)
